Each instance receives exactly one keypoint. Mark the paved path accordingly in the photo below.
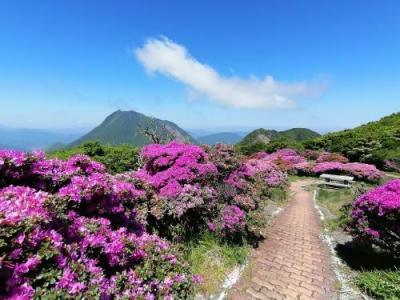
(293, 262)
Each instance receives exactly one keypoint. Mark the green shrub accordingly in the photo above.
(371, 143)
(117, 158)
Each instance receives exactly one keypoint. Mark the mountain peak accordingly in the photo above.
(126, 127)
(262, 135)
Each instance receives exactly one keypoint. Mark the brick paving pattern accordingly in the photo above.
(292, 262)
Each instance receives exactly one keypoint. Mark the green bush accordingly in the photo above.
(117, 158)
(372, 143)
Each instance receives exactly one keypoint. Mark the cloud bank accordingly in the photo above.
(173, 60)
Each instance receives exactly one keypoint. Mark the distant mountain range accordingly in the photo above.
(373, 142)
(127, 127)
(265, 136)
(222, 137)
(31, 139)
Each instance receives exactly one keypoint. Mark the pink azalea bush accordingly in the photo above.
(289, 155)
(194, 187)
(224, 158)
(169, 167)
(248, 171)
(303, 169)
(333, 157)
(392, 165)
(310, 154)
(358, 170)
(250, 184)
(49, 174)
(69, 230)
(376, 217)
(292, 162)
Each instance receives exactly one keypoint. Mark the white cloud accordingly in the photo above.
(173, 60)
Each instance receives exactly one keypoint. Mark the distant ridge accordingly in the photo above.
(125, 127)
(265, 136)
(32, 139)
(221, 137)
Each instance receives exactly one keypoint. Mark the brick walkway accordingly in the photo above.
(293, 262)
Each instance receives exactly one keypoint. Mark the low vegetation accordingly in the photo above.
(338, 202)
(214, 258)
(370, 214)
(380, 284)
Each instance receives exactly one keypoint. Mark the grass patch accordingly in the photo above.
(380, 284)
(213, 260)
(334, 199)
(278, 194)
(293, 178)
(338, 203)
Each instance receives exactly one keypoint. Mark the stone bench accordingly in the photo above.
(336, 180)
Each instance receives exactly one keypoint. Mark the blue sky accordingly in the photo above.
(68, 64)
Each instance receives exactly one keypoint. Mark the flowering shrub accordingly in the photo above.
(82, 235)
(332, 167)
(245, 202)
(335, 157)
(224, 158)
(392, 165)
(288, 155)
(285, 157)
(248, 171)
(191, 197)
(303, 169)
(363, 171)
(359, 170)
(169, 167)
(71, 230)
(310, 154)
(376, 217)
(49, 174)
(232, 218)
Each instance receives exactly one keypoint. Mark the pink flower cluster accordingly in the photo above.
(288, 155)
(233, 219)
(196, 187)
(68, 229)
(18, 167)
(169, 167)
(291, 161)
(192, 197)
(392, 165)
(262, 167)
(331, 157)
(376, 216)
(19, 203)
(359, 170)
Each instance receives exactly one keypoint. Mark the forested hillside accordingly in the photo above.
(374, 142)
(270, 140)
